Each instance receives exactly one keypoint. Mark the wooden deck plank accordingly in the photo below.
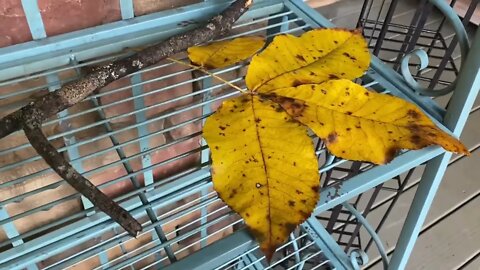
(449, 242)
(460, 182)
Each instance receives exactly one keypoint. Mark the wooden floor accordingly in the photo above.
(450, 238)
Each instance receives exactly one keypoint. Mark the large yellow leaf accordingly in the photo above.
(224, 53)
(316, 56)
(358, 124)
(264, 167)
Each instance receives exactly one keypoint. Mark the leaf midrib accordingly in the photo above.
(264, 169)
(293, 70)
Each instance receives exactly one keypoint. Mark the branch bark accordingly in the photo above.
(30, 117)
(56, 161)
(74, 92)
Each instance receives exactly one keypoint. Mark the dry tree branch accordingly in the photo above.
(56, 161)
(30, 117)
(74, 92)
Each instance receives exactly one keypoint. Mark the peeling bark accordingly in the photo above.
(30, 117)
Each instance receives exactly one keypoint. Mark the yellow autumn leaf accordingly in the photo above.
(224, 53)
(358, 124)
(316, 56)
(264, 167)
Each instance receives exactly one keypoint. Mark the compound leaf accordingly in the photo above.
(316, 56)
(358, 124)
(264, 167)
(224, 53)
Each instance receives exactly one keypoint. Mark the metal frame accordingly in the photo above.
(311, 244)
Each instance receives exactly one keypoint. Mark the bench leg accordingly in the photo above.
(432, 177)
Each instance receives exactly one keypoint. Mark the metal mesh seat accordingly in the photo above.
(139, 139)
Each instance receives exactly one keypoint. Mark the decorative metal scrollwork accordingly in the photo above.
(358, 257)
(462, 37)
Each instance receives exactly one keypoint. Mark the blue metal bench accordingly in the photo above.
(47, 57)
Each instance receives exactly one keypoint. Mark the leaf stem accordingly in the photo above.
(209, 73)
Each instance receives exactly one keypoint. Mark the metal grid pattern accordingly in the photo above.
(133, 144)
(390, 40)
(139, 139)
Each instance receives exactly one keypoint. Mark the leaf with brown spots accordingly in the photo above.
(357, 124)
(254, 171)
(316, 56)
(264, 166)
(225, 53)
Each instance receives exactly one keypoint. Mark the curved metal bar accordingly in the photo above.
(358, 257)
(372, 233)
(462, 37)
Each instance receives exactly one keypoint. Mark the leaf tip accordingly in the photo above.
(268, 250)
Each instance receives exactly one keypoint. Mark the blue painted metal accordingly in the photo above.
(31, 57)
(9, 228)
(140, 117)
(377, 68)
(324, 240)
(126, 9)
(295, 247)
(358, 258)
(462, 101)
(95, 42)
(460, 34)
(223, 250)
(205, 154)
(371, 231)
(34, 19)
